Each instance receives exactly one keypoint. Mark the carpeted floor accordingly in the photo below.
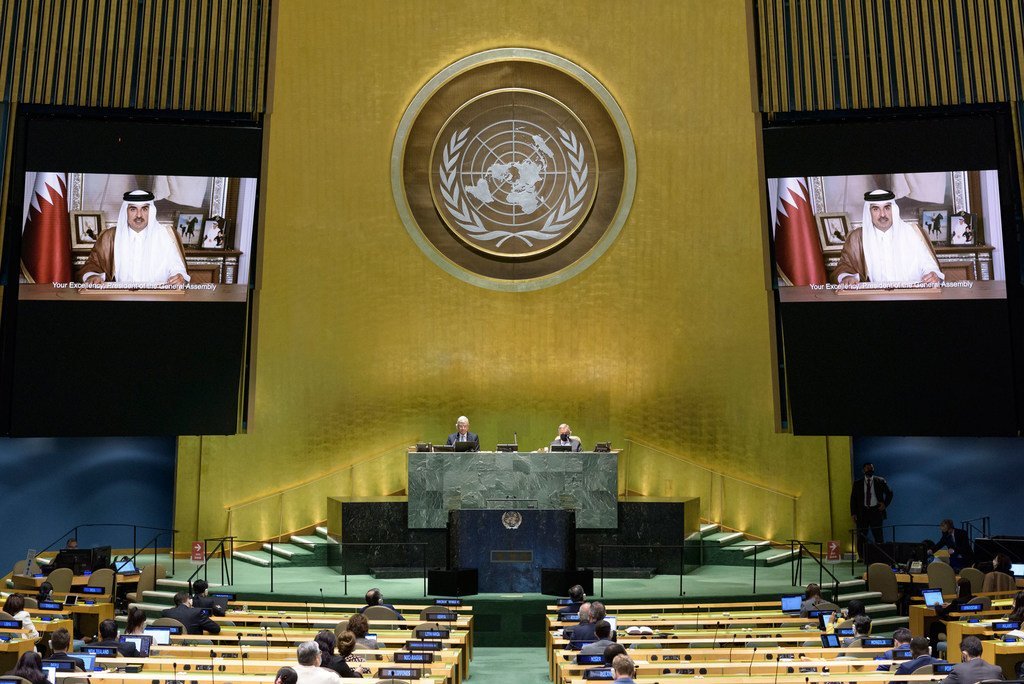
(508, 665)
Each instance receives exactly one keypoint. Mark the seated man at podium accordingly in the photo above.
(567, 439)
(462, 434)
(886, 249)
(138, 250)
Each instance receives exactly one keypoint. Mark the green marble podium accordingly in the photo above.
(586, 482)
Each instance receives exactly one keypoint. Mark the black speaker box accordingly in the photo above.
(461, 582)
(556, 582)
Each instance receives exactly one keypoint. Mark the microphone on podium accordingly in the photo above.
(515, 439)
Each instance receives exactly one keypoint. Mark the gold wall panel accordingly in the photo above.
(363, 343)
(818, 55)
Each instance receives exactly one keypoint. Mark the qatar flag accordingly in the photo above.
(797, 249)
(46, 240)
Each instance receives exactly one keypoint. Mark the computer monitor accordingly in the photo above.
(77, 560)
(603, 447)
(791, 604)
(829, 641)
(51, 674)
(88, 660)
(99, 558)
(467, 446)
(507, 448)
(1017, 569)
(443, 448)
(126, 567)
(423, 447)
(613, 621)
(159, 635)
(143, 642)
(561, 447)
(932, 597)
(825, 621)
(70, 599)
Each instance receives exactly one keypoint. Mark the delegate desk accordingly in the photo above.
(586, 482)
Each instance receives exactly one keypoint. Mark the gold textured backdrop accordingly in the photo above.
(363, 344)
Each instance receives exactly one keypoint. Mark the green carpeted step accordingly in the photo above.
(723, 539)
(287, 551)
(260, 558)
(710, 528)
(309, 542)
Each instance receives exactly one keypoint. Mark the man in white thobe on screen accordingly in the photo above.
(885, 249)
(138, 250)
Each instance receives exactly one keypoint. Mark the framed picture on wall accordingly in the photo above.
(833, 229)
(215, 233)
(962, 229)
(189, 227)
(86, 227)
(935, 224)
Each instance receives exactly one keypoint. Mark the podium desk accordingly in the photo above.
(585, 482)
(11, 651)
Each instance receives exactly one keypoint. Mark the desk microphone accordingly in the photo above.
(241, 656)
(213, 655)
(266, 639)
(322, 602)
(776, 680)
(283, 633)
(750, 665)
(714, 639)
(515, 440)
(174, 666)
(732, 645)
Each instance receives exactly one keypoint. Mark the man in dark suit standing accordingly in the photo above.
(462, 434)
(196, 621)
(973, 669)
(868, 500)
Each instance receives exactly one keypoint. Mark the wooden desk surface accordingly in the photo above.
(33, 582)
(1003, 654)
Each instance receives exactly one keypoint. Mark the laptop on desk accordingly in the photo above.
(932, 597)
(791, 604)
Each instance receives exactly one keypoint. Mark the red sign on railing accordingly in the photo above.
(834, 552)
(198, 552)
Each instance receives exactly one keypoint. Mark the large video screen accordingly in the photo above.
(895, 268)
(128, 266)
(888, 236)
(91, 234)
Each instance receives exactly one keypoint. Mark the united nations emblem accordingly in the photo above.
(511, 520)
(513, 169)
(514, 173)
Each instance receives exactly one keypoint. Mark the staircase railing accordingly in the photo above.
(798, 549)
(971, 528)
(74, 533)
(227, 562)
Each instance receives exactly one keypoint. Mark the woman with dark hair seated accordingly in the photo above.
(346, 646)
(360, 626)
(286, 675)
(30, 667)
(945, 611)
(45, 589)
(136, 621)
(326, 640)
(15, 607)
(1017, 611)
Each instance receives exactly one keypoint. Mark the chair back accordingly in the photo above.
(882, 579)
(924, 669)
(826, 605)
(60, 579)
(942, 576)
(5, 615)
(19, 568)
(984, 601)
(858, 642)
(976, 577)
(31, 602)
(998, 581)
(104, 577)
(380, 613)
(169, 622)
